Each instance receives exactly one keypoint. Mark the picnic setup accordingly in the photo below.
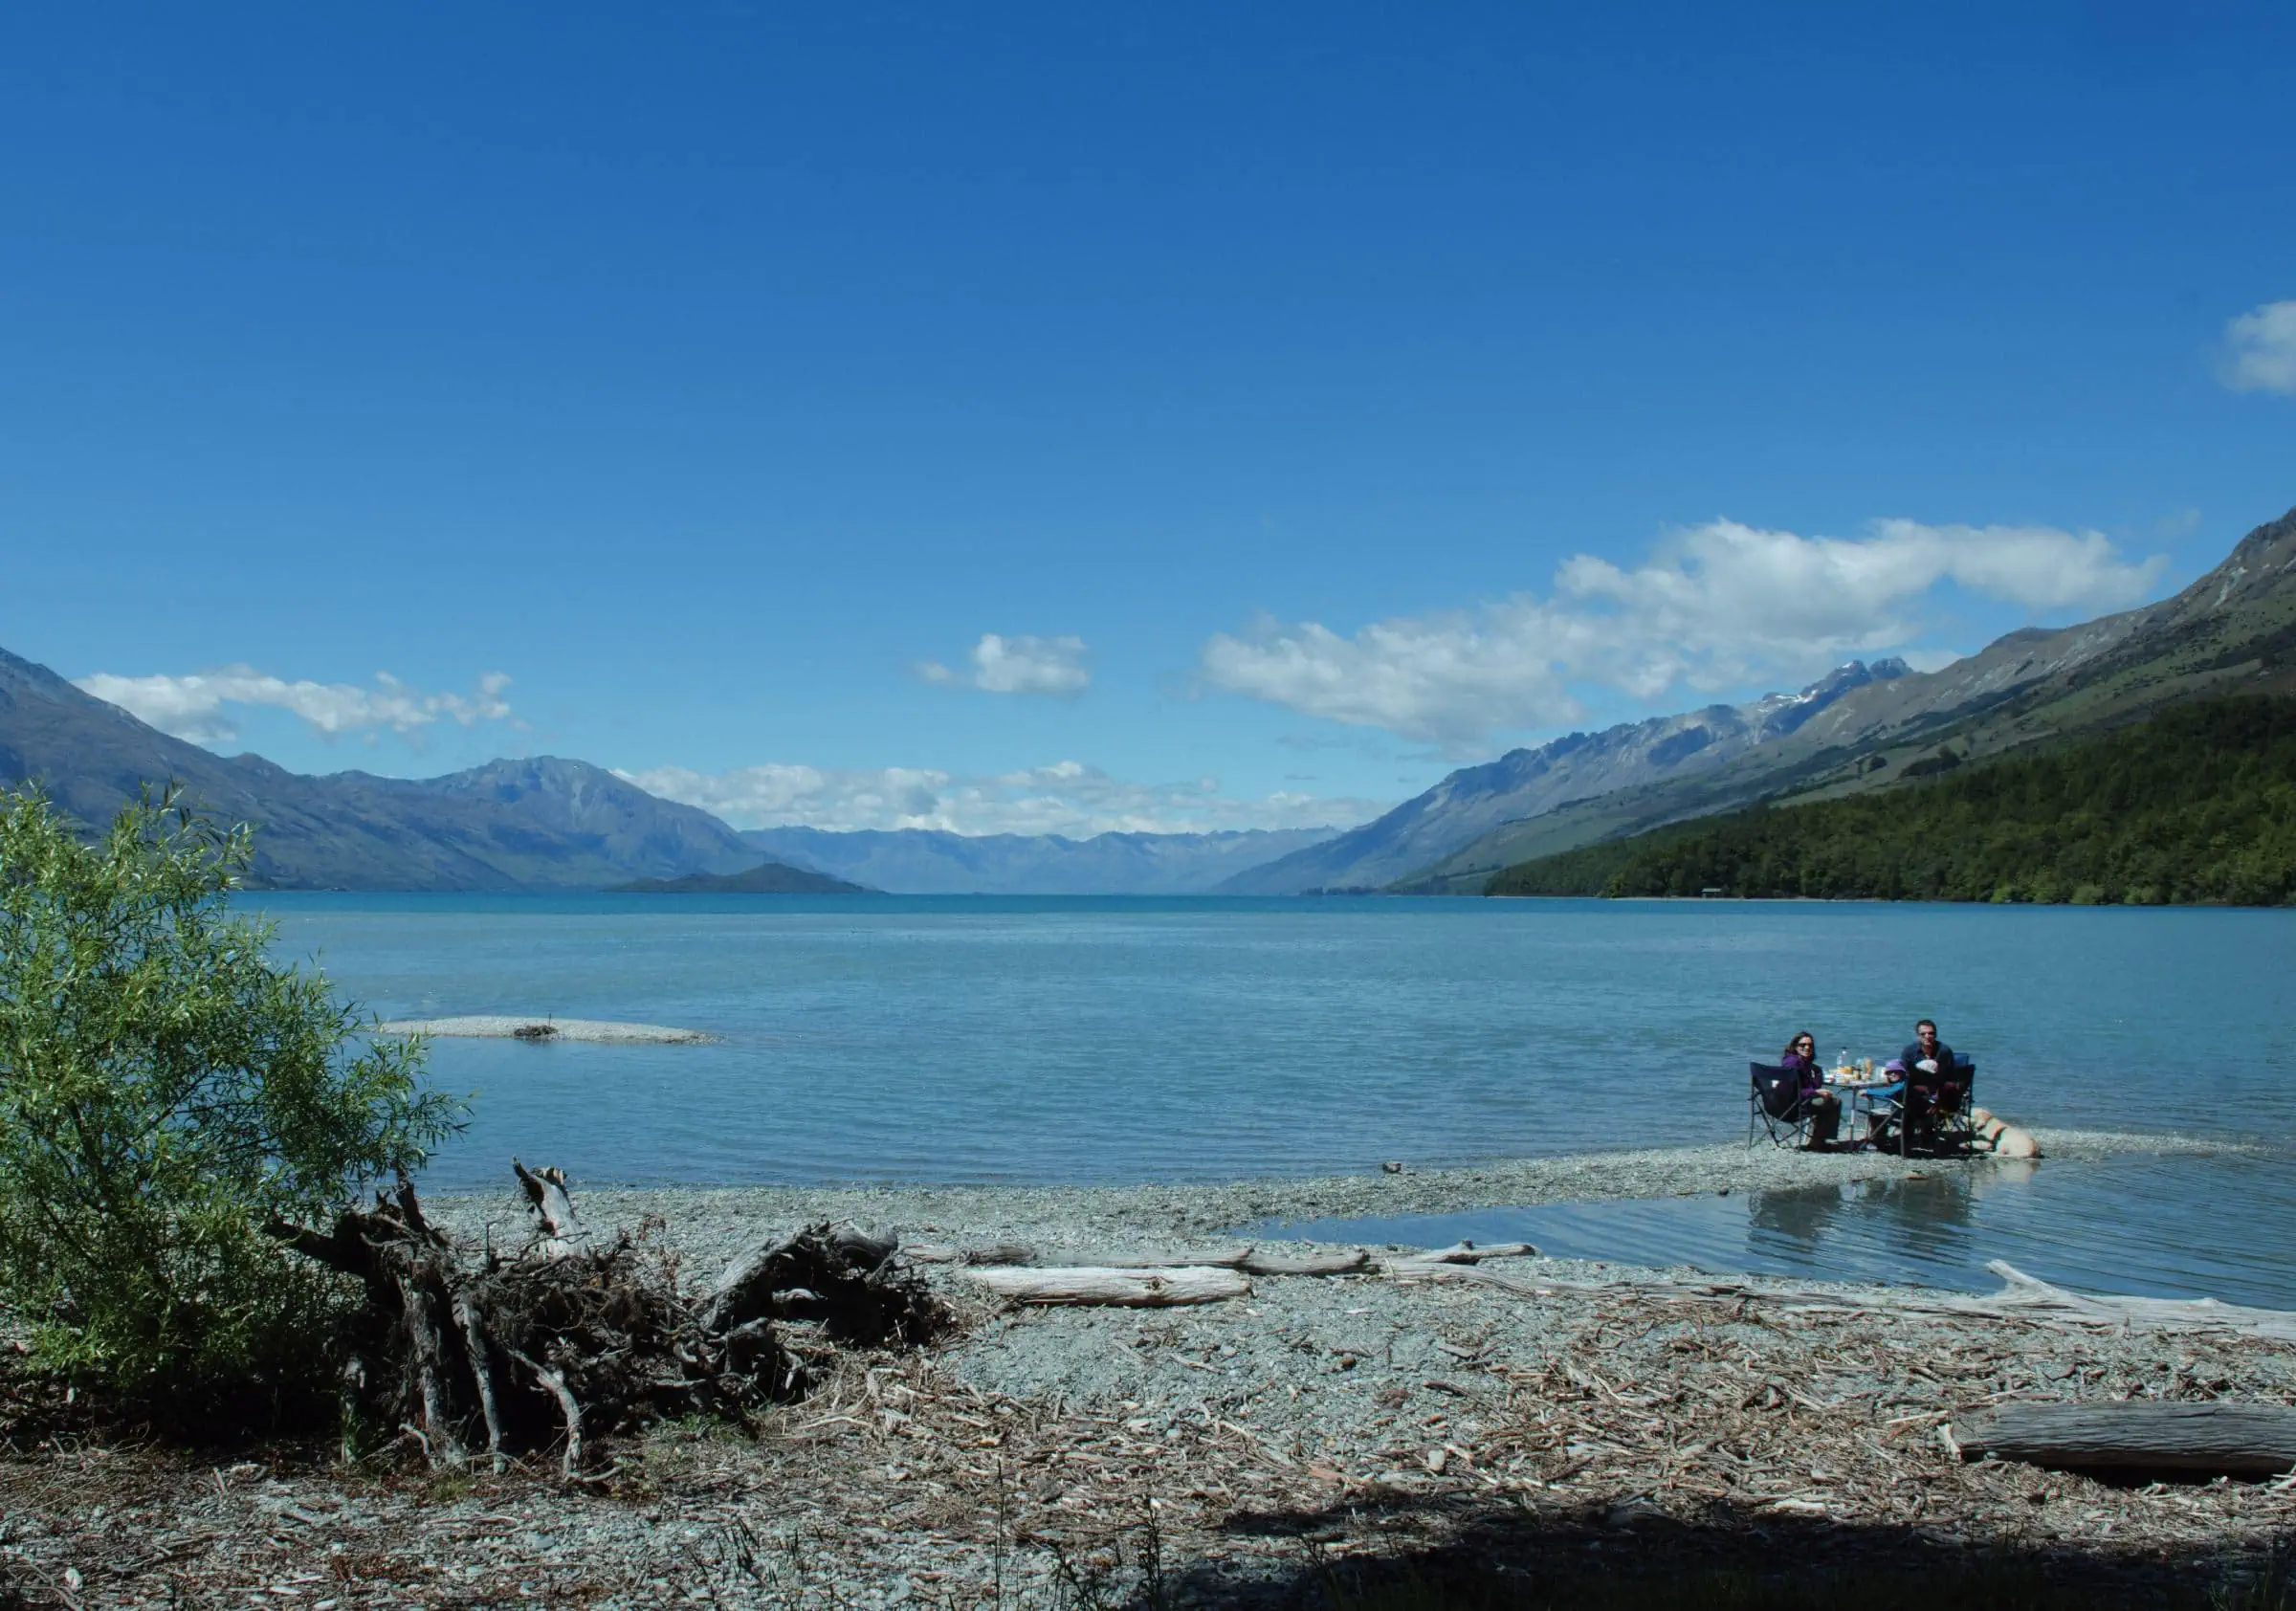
(1922, 1101)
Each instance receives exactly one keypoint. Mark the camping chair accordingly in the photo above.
(1937, 1127)
(1775, 1104)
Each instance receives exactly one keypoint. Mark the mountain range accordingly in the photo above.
(538, 824)
(1525, 782)
(552, 823)
(556, 824)
(1860, 728)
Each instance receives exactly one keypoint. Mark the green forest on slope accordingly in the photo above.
(2195, 805)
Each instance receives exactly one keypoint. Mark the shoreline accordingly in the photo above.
(718, 1221)
(1568, 1417)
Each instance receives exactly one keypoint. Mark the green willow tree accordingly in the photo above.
(166, 1090)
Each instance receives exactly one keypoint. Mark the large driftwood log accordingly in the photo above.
(2139, 1436)
(1251, 1260)
(2020, 1294)
(1098, 1284)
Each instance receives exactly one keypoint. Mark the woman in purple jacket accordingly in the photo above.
(1801, 1060)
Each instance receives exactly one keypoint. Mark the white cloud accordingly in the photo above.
(1067, 798)
(1720, 606)
(1018, 665)
(196, 707)
(2259, 349)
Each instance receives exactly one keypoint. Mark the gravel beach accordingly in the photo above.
(1237, 1452)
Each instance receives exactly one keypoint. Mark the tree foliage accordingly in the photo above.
(2198, 804)
(166, 1090)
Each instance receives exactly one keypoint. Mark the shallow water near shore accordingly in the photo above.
(1039, 1041)
(2180, 1228)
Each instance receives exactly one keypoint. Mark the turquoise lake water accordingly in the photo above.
(1014, 1040)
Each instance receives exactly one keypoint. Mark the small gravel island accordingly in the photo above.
(505, 1028)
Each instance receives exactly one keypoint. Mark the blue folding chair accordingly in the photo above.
(1934, 1120)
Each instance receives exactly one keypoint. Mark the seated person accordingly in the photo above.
(1824, 1108)
(1931, 1079)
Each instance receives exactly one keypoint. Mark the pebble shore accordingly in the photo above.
(1232, 1452)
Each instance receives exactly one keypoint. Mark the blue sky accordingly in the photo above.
(1073, 417)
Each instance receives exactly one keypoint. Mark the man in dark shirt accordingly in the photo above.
(1927, 1049)
(1931, 1080)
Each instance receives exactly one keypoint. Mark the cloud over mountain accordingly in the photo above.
(1719, 606)
(196, 707)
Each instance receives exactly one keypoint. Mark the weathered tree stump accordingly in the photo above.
(572, 1338)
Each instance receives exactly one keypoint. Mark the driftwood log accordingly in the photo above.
(1171, 1280)
(2138, 1437)
(1170, 1287)
(574, 1338)
(1467, 1253)
(2021, 1299)
(1255, 1261)
(943, 1252)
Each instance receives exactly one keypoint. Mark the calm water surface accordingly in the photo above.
(1014, 1040)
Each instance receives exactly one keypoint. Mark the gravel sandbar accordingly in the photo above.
(502, 1028)
(713, 1224)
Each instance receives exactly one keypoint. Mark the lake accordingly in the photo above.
(1001, 1039)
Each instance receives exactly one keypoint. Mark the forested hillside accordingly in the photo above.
(2198, 804)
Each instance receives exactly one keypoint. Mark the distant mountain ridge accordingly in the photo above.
(2232, 631)
(2195, 804)
(924, 861)
(1525, 782)
(542, 823)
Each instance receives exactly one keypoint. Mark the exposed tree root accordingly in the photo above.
(570, 1340)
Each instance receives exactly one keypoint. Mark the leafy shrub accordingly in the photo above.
(164, 1091)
